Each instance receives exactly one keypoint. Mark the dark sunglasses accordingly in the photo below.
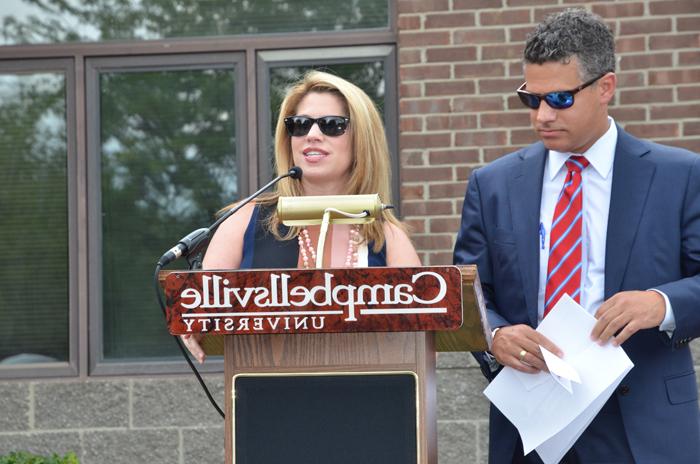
(332, 126)
(558, 100)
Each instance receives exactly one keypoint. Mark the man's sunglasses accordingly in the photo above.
(558, 100)
(332, 126)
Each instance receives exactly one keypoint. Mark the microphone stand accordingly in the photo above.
(191, 245)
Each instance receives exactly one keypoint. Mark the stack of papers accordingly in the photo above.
(552, 409)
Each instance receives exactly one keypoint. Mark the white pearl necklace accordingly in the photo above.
(306, 248)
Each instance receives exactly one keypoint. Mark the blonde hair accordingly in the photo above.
(371, 168)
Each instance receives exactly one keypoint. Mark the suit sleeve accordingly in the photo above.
(684, 294)
(471, 247)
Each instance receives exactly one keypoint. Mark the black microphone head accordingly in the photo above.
(295, 172)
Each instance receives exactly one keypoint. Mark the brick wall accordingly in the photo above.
(459, 66)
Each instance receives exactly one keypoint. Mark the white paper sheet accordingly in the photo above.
(548, 416)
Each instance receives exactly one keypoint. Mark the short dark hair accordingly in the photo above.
(573, 33)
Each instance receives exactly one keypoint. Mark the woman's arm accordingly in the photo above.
(399, 249)
(225, 251)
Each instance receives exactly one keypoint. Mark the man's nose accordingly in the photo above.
(545, 113)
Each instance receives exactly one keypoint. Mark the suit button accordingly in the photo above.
(623, 390)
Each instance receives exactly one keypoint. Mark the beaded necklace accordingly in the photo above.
(306, 248)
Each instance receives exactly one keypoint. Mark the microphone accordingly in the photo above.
(195, 240)
(342, 209)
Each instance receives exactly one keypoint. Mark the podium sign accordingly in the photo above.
(314, 301)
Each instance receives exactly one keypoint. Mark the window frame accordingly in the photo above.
(75, 184)
(94, 68)
(329, 56)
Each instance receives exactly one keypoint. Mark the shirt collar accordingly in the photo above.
(601, 154)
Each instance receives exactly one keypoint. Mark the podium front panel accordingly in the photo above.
(368, 417)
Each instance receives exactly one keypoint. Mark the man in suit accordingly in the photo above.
(612, 220)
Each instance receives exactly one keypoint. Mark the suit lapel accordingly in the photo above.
(632, 175)
(525, 192)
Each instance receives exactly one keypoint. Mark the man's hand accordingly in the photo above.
(627, 312)
(518, 346)
(191, 341)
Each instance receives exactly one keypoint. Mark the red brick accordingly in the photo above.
(689, 58)
(505, 119)
(630, 44)
(514, 103)
(490, 69)
(500, 52)
(481, 138)
(452, 122)
(504, 17)
(673, 7)
(414, 226)
(506, 86)
(447, 224)
(617, 10)
(426, 174)
(677, 76)
(449, 190)
(429, 140)
(424, 39)
(662, 42)
(630, 79)
(424, 208)
(408, 22)
(453, 87)
(523, 136)
(422, 72)
(688, 93)
(519, 34)
(423, 106)
(450, 54)
(515, 69)
(462, 173)
(440, 259)
(451, 19)
(541, 13)
(479, 36)
(410, 56)
(691, 128)
(476, 104)
(453, 156)
(421, 6)
(412, 192)
(628, 114)
(492, 154)
(476, 4)
(412, 158)
(410, 124)
(691, 23)
(410, 90)
(645, 61)
(692, 144)
(644, 26)
(650, 95)
(654, 130)
(527, 2)
(675, 111)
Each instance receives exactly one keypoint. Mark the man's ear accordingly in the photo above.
(606, 87)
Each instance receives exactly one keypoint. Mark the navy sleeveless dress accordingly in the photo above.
(262, 250)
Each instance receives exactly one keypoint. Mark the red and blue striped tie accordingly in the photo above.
(564, 265)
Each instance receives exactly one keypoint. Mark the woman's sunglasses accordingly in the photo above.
(332, 126)
(557, 100)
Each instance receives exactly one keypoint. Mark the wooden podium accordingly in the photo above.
(330, 365)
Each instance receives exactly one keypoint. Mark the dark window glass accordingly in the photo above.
(34, 214)
(168, 164)
(54, 21)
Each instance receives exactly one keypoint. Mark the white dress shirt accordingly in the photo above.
(597, 186)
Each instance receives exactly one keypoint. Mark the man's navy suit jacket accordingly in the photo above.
(653, 241)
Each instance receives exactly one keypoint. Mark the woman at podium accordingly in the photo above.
(330, 129)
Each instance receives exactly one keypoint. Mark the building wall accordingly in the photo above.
(459, 65)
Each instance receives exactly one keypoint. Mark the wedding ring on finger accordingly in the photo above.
(521, 355)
